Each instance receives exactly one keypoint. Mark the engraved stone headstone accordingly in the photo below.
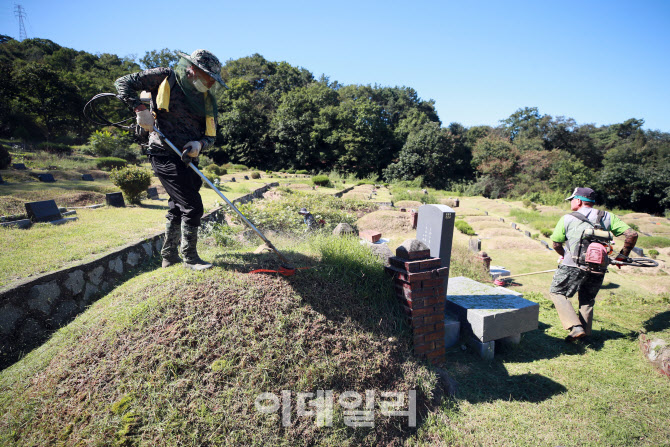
(502, 220)
(638, 251)
(475, 245)
(19, 166)
(486, 213)
(44, 211)
(115, 199)
(87, 178)
(435, 228)
(152, 193)
(527, 233)
(513, 225)
(46, 178)
(246, 177)
(232, 179)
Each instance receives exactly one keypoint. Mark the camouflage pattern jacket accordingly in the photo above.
(180, 125)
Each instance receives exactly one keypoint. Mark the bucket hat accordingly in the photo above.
(207, 62)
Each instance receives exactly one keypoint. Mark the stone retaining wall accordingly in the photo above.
(33, 308)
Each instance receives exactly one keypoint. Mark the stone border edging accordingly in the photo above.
(343, 192)
(32, 308)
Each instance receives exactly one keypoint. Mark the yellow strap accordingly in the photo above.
(163, 103)
(163, 96)
(210, 123)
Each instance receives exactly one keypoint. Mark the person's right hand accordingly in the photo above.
(145, 119)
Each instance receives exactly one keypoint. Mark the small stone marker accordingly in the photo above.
(152, 193)
(46, 178)
(486, 213)
(502, 220)
(456, 203)
(545, 244)
(19, 166)
(370, 235)
(87, 178)
(246, 177)
(475, 245)
(435, 227)
(44, 211)
(638, 251)
(232, 179)
(527, 233)
(115, 199)
(513, 225)
(1, 181)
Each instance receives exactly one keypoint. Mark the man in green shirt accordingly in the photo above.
(571, 278)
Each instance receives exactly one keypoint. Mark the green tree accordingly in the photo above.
(160, 58)
(302, 127)
(433, 153)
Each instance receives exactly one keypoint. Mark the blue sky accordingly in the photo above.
(598, 62)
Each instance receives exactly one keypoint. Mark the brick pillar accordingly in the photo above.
(418, 281)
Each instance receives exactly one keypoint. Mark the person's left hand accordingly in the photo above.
(193, 148)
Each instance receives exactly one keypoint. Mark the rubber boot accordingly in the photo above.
(189, 248)
(170, 251)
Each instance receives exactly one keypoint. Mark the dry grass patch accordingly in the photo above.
(483, 219)
(408, 204)
(499, 231)
(386, 222)
(485, 225)
(513, 243)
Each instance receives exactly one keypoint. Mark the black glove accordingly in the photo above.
(620, 257)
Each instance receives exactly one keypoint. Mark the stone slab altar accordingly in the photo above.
(489, 312)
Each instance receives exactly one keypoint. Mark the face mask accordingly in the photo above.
(200, 86)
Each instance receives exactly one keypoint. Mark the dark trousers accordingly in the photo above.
(182, 185)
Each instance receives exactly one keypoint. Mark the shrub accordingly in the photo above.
(5, 157)
(216, 169)
(321, 180)
(546, 232)
(132, 180)
(106, 163)
(301, 172)
(653, 253)
(464, 227)
(55, 148)
(106, 144)
(290, 171)
(211, 176)
(634, 227)
(255, 175)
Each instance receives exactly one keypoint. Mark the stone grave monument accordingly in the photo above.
(527, 233)
(115, 199)
(435, 227)
(152, 193)
(46, 211)
(19, 166)
(475, 245)
(87, 178)
(46, 178)
(1, 181)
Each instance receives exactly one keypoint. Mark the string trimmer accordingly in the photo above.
(90, 109)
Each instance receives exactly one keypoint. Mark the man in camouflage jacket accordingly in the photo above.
(569, 277)
(184, 110)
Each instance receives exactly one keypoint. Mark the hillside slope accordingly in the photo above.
(176, 358)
